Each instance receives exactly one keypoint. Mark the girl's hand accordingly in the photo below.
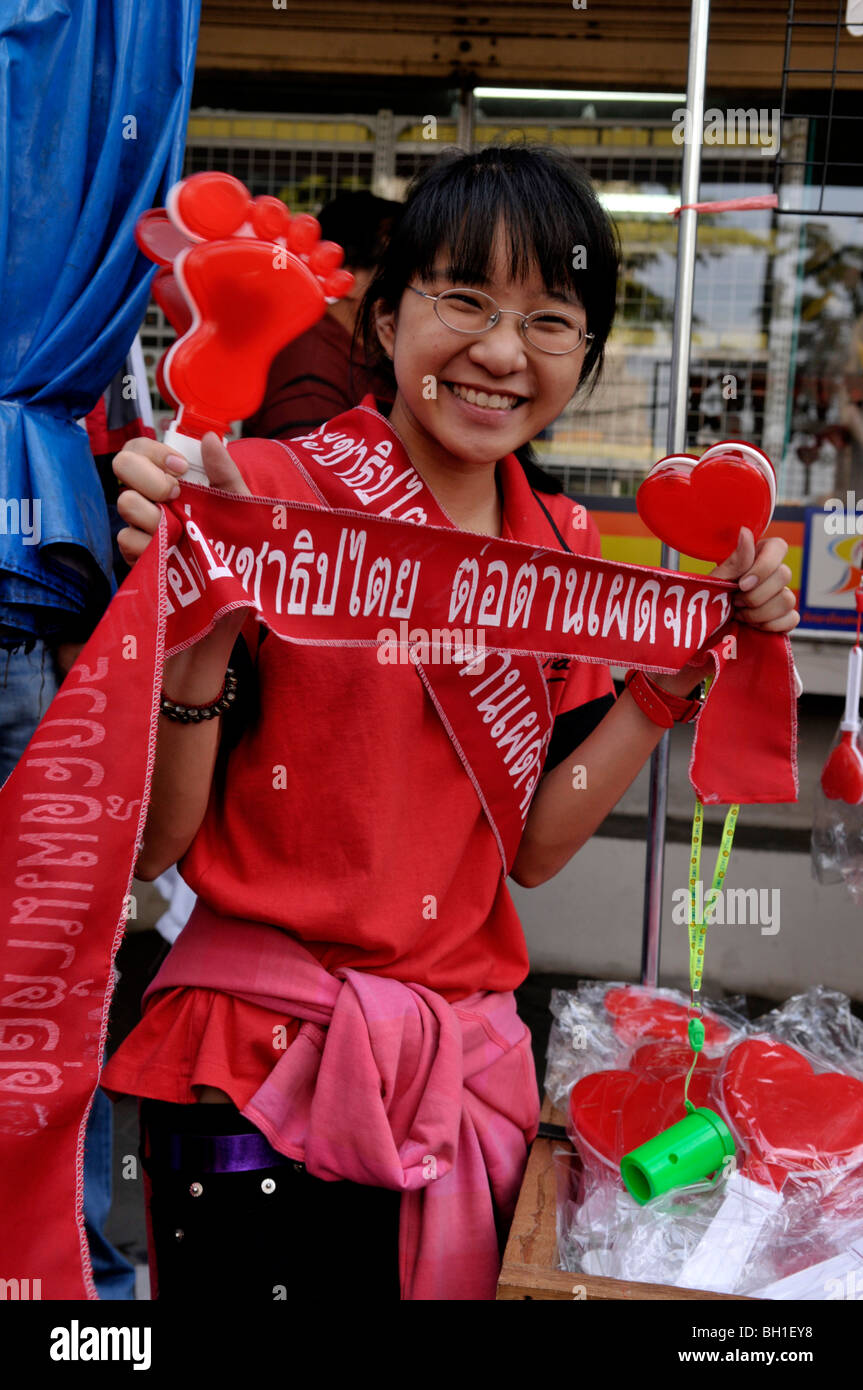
(763, 599)
(143, 465)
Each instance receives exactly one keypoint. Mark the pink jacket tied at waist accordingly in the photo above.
(385, 1084)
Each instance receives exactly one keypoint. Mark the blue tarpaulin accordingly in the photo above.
(94, 101)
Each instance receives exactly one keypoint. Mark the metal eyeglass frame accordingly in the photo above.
(495, 319)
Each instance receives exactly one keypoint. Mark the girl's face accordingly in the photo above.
(429, 359)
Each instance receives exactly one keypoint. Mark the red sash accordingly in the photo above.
(496, 710)
(345, 574)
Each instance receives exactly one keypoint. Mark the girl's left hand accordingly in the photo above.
(763, 601)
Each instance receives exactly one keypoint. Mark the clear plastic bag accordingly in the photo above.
(731, 1236)
(820, 1253)
(608, 1233)
(821, 1023)
(791, 1111)
(785, 1220)
(597, 1026)
(837, 838)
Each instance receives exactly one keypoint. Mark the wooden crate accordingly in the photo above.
(530, 1259)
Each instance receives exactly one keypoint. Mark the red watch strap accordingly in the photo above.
(660, 705)
(682, 707)
(648, 698)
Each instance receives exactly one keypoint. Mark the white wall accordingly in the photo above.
(588, 921)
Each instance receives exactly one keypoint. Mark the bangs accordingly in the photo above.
(463, 222)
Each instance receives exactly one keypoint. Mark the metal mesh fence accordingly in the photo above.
(825, 175)
(762, 346)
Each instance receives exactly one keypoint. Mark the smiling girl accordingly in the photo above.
(354, 950)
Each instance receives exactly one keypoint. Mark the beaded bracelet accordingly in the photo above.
(194, 714)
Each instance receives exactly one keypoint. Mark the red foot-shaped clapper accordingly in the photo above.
(254, 278)
(697, 506)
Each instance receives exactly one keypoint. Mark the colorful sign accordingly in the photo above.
(832, 569)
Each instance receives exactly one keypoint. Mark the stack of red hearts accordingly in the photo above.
(638, 1013)
(786, 1116)
(612, 1112)
(789, 1117)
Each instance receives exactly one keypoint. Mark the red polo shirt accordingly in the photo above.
(345, 817)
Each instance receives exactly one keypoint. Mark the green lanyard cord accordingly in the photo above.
(698, 925)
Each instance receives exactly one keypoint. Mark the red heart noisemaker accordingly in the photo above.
(787, 1115)
(697, 506)
(842, 776)
(639, 1014)
(612, 1112)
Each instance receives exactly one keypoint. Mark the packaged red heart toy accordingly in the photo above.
(785, 1218)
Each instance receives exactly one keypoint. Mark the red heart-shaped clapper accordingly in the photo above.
(787, 1115)
(612, 1112)
(842, 776)
(697, 506)
(639, 1014)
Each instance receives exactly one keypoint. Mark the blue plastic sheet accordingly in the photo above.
(94, 101)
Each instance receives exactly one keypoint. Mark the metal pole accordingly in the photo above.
(696, 76)
(465, 119)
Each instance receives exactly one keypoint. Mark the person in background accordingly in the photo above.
(849, 399)
(323, 373)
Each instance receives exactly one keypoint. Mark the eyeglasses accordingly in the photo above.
(473, 311)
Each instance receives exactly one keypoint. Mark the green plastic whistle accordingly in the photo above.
(685, 1153)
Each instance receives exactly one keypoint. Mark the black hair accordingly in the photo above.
(361, 224)
(552, 218)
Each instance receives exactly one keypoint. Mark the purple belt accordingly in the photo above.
(215, 1153)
